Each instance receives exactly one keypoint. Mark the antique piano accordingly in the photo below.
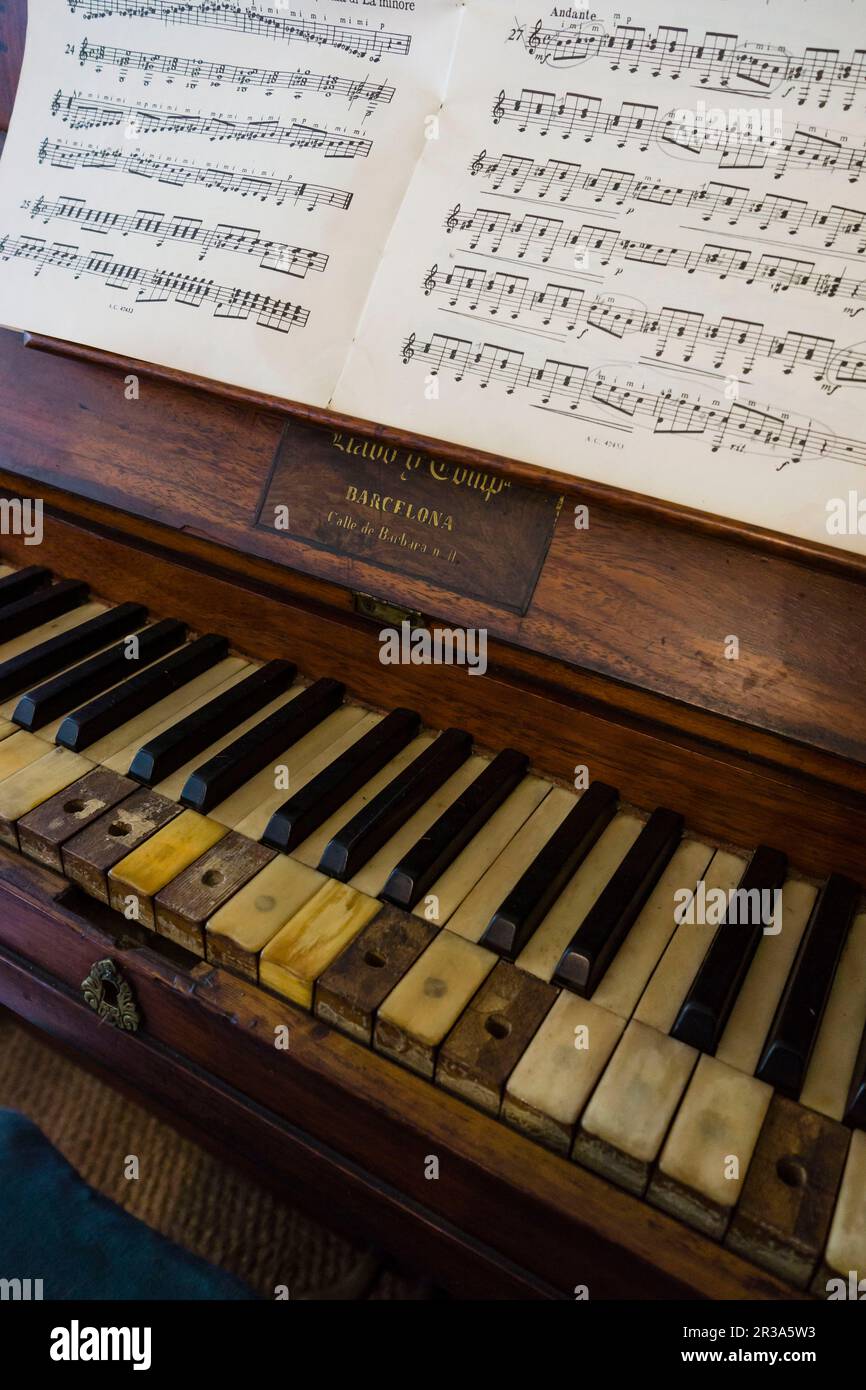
(402, 937)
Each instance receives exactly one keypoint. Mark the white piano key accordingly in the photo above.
(472, 916)
(741, 1043)
(627, 975)
(671, 980)
(250, 808)
(829, 1075)
(544, 948)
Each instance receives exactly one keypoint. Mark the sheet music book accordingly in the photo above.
(625, 246)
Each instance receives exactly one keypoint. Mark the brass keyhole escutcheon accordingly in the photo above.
(111, 997)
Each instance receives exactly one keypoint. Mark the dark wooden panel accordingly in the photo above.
(639, 598)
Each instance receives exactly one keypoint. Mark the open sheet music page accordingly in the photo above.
(210, 185)
(635, 253)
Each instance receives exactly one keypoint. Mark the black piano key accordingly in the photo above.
(794, 1029)
(192, 733)
(855, 1110)
(68, 648)
(440, 845)
(536, 890)
(603, 930)
(22, 583)
(707, 1006)
(323, 795)
(41, 607)
(116, 707)
(360, 838)
(46, 702)
(226, 771)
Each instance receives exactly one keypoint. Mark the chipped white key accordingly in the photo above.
(706, 1155)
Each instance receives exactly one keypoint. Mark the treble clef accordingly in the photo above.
(499, 108)
(534, 39)
(452, 219)
(477, 165)
(430, 280)
(408, 349)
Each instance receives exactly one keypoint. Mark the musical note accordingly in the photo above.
(558, 384)
(196, 70)
(356, 38)
(309, 195)
(84, 114)
(247, 241)
(157, 286)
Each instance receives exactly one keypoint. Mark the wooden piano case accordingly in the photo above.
(617, 662)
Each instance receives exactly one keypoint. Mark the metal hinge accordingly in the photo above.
(386, 614)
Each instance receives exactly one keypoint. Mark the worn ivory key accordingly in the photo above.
(429, 999)
(249, 809)
(741, 1042)
(19, 750)
(782, 1218)
(135, 881)
(639, 954)
(660, 1002)
(542, 952)
(458, 880)
(310, 851)
(14, 646)
(34, 784)
(707, 1153)
(829, 1074)
(844, 1264)
(556, 1074)
(310, 941)
(624, 1126)
(472, 916)
(242, 927)
(351, 990)
(185, 904)
(374, 875)
(89, 855)
(43, 832)
(491, 1035)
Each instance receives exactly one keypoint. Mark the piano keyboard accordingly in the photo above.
(508, 939)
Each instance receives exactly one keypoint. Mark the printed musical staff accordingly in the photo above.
(579, 115)
(84, 113)
(720, 61)
(553, 385)
(194, 70)
(157, 286)
(536, 235)
(560, 179)
(188, 231)
(262, 186)
(357, 39)
(687, 334)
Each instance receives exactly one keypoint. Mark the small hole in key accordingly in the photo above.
(373, 959)
(119, 828)
(212, 878)
(497, 1026)
(792, 1172)
(72, 808)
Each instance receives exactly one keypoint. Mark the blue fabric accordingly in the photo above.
(55, 1228)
